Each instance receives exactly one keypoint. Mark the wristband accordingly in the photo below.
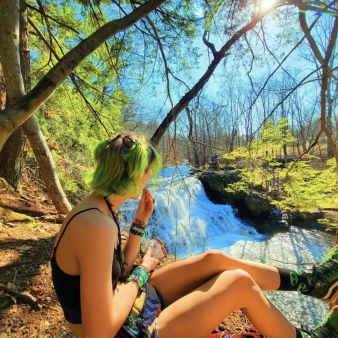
(139, 276)
(138, 223)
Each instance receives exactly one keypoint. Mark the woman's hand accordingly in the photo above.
(146, 206)
(148, 261)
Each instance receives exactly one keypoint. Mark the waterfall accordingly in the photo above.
(186, 220)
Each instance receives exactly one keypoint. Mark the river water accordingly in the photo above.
(189, 223)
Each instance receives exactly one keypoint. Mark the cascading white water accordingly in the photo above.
(189, 223)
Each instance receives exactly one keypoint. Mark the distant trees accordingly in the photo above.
(92, 62)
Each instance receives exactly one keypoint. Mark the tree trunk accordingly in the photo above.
(12, 159)
(17, 83)
(195, 147)
(47, 166)
(232, 139)
(331, 99)
(12, 154)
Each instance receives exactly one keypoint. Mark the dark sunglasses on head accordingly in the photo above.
(127, 144)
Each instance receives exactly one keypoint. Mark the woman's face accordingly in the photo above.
(142, 181)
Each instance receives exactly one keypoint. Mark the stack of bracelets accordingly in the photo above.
(138, 227)
(139, 275)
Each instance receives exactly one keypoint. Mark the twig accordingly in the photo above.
(23, 295)
(5, 265)
(15, 274)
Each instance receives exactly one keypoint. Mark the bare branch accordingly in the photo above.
(210, 45)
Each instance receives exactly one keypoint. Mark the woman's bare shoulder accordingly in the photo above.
(95, 223)
(92, 212)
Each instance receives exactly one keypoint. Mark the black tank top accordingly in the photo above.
(67, 287)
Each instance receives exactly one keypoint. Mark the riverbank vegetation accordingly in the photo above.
(296, 184)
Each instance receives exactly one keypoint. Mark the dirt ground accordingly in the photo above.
(28, 304)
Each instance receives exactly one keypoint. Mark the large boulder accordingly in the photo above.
(250, 205)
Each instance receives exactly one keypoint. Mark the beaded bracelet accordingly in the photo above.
(136, 231)
(138, 227)
(138, 223)
(139, 276)
(144, 268)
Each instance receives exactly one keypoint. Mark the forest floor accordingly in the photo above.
(28, 304)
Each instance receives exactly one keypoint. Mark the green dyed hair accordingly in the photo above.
(120, 162)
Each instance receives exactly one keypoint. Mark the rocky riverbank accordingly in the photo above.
(255, 206)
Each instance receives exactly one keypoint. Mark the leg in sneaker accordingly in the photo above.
(327, 329)
(321, 282)
(325, 278)
(213, 285)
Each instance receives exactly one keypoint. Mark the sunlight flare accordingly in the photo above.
(267, 4)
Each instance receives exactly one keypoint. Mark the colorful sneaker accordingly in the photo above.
(329, 327)
(325, 277)
(332, 254)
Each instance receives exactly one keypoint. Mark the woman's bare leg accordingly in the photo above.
(180, 278)
(200, 311)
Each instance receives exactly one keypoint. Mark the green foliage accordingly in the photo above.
(275, 136)
(33, 224)
(330, 224)
(307, 187)
(259, 155)
(72, 132)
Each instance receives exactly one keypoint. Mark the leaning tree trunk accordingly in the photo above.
(12, 155)
(47, 166)
(35, 135)
(16, 75)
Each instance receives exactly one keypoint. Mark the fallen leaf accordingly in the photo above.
(10, 285)
(35, 291)
(25, 247)
(3, 335)
(39, 302)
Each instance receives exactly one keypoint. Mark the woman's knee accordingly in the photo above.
(237, 287)
(238, 279)
(215, 257)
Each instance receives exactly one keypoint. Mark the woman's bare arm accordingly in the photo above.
(101, 316)
(143, 213)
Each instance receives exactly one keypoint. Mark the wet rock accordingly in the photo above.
(251, 205)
